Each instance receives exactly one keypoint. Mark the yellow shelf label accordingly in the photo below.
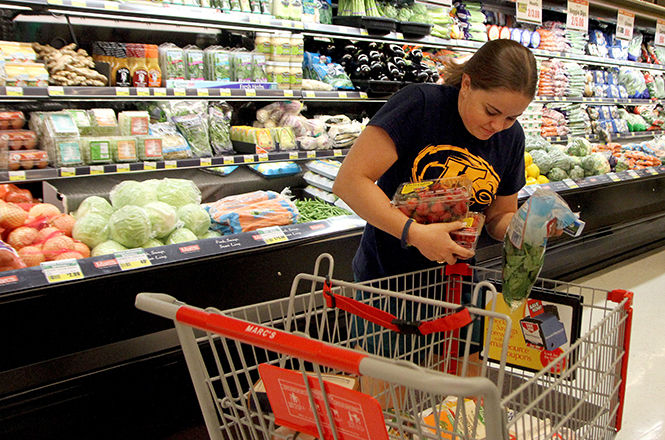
(308, 94)
(337, 153)
(272, 234)
(205, 161)
(14, 91)
(170, 164)
(122, 91)
(311, 154)
(178, 91)
(56, 91)
(160, 91)
(293, 155)
(363, 95)
(288, 93)
(224, 92)
(364, 32)
(250, 92)
(79, 3)
(54, 2)
(143, 91)
(96, 170)
(263, 157)
(149, 166)
(111, 6)
(122, 168)
(67, 172)
(228, 160)
(343, 95)
(132, 259)
(60, 271)
(248, 158)
(17, 175)
(202, 92)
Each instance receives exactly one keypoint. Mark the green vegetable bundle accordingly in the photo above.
(314, 209)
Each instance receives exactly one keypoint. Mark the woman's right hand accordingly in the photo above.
(434, 242)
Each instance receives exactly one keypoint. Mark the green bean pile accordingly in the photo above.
(316, 209)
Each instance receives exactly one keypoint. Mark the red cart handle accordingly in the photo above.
(387, 320)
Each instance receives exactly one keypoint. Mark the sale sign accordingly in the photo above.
(578, 15)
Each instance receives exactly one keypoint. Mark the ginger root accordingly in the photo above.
(69, 66)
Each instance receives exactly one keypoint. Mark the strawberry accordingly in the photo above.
(437, 208)
(422, 209)
(460, 209)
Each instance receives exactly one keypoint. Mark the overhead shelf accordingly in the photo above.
(199, 162)
(631, 135)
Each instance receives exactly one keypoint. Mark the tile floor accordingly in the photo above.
(644, 411)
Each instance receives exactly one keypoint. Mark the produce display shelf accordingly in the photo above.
(631, 135)
(55, 272)
(213, 17)
(603, 179)
(596, 100)
(202, 162)
(137, 93)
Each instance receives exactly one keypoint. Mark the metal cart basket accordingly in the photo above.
(399, 358)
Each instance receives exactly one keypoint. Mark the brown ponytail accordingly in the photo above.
(497, 64)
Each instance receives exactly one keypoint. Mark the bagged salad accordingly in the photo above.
(219, 127)
(526, 239)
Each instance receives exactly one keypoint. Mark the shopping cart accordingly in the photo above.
(395, 358)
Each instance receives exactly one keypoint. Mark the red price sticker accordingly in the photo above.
(529, 11)
(660, 33)
(625, 22)
(578, 15)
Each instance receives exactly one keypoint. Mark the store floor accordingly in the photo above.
(644, 411)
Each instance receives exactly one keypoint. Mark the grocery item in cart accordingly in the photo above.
(526, 239)
(434, 201)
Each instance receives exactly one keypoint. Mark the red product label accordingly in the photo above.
(140, 78)
(139, 126)
(8, 280)
(153, 147)
(105, 263)
(357, 416)
(535, 307)
(189, 249)
(317, 226)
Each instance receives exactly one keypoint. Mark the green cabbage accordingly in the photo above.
(579, 147)
(595, 164)
(130, 226)
(181, 235)
(209, 234)
(577, 173)
(163, 218)
(178, 192)
(557, 174)
(91, 229)
(96, 204)
(107, 247)
(195, 218)
(560, 160)
(131, 192)
(536, 143)
(151, 185)
(542, 159)
(153, 242)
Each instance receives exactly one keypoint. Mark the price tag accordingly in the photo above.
(288, 93)
(224, 92)
(578, 15)
(337, 153)
(363, 95)
(79, 3)
(143, 91)
(14, 91)
(111, 6)
(122, 168)
(399, 35)
(311, 154)
(122, 91)
(54, 2)
(67, 172)
(160, 91)
(307, 94)
(633, 174)
(613, 177)
(16, 175)
(178, 91)
(571, 183)
(56, 91)
(250, 92)
(248, 158)
(96, 170)
(298, 25)
(171, 164)
(293, 155)
(62, 270)
(364, 32)
(660, 33)
(132, 259)
(272, 234)
(652, 171)
(529, 11)
(205, 161)
(625, 22)
(263, 157)
(202, 92)
(343, 95)
(228, 160)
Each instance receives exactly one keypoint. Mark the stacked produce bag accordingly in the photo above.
(576, 79)
(552, 80)
(320, 177)
(471, 21)
(554, 123)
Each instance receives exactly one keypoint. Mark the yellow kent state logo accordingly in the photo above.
(438, 161)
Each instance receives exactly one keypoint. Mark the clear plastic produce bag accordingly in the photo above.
(526, 240)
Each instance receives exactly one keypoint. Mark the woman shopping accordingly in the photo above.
(425, 132)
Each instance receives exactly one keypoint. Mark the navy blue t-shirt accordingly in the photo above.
(432, 142)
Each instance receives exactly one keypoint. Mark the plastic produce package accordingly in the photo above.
(195, 130)
(434, 201)
(526, 240)
(103, 121)
(133, 123)
(174, 145)
(219, 127)
(96, 150)
(61, 140)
